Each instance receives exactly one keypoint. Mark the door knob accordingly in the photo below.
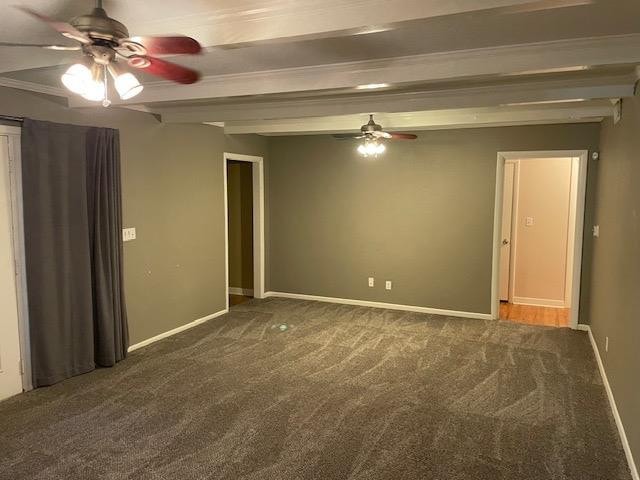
(505, 241)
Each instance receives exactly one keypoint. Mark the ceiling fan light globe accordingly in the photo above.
(362, 150)
(127, 85)
(77, 78)
(95, 91)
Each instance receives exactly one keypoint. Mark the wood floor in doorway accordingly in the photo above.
(238, 299)
(534, 315)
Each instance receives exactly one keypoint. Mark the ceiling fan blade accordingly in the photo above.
(347, 136)
(38, 45)
(402, 136)
(162, 68)
(169, 45)
(381, 134)
(62, 27)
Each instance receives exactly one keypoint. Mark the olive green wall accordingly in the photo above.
(421, 215)
(172, 186)
(615, 291)
(240, 205)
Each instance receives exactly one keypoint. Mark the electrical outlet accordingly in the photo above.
(128, 234)
(387, 284)
(529, 221)
(606, 344)
(371, 281)
(596, 230)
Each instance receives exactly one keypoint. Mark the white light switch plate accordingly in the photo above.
(596, 230)
(529, 221)
(128, 234)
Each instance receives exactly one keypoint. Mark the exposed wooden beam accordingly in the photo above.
(506, 60)
(33, 87)
(598, 87)
(533, 114)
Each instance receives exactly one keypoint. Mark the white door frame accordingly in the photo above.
(13, 135)
(511, 234)
(578, 233)
(258, 222)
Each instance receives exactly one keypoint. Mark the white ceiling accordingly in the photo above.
(270, 65)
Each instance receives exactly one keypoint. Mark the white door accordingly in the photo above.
(10, 377)
(507, 216)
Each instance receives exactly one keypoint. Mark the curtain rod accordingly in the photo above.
(11, 118)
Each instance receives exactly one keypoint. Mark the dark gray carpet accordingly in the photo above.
(342, 393)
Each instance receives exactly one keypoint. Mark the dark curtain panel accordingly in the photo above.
(111, 335)
(72, 222)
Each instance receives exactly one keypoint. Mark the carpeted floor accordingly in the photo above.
(288, 389)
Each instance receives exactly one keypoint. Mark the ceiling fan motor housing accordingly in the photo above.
(370, 127)
(102, 55)
(98, 25)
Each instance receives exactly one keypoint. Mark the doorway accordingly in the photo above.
(14, 344)
(538, 231)
(244, 223)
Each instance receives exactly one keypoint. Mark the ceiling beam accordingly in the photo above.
(232, 23)
(33, 87)
(598, 87)
(533, 114)
(505, 60)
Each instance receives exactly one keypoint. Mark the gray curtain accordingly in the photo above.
(72, 222)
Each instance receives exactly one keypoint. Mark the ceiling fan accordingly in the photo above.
(373, 135)
(104, 42)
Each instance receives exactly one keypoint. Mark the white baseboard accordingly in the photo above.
(612, 402)
(389, 306)
(247, 292)
(539, 302)
(179, 329)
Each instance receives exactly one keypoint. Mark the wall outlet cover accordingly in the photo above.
(371, 281)
(387, 284)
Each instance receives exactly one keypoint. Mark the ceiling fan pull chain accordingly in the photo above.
(106, 102)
